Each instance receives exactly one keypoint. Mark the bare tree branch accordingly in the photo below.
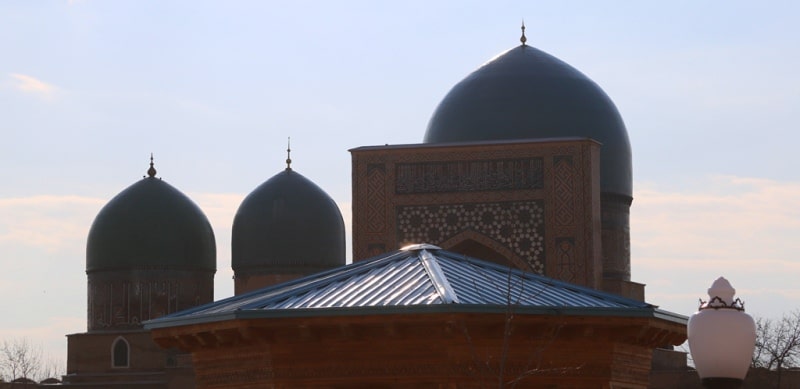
(777, 343)
(21, 359)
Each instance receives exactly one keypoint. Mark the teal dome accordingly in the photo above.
(287, 224)
(526, 93)
(151, 225)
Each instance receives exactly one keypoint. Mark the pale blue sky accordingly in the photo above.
(709, 92)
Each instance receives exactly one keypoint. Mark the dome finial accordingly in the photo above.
(289, 153)
(152, 171)
(523, 39)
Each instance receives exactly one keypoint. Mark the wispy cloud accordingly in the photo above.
(735, 219)
(220, 208)
(743, 228)
(42, 248)
(46, 222)
(33, 86)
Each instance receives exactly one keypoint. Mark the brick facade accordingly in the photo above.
(532, 204)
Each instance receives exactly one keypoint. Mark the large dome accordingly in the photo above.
(526, 93)
(151, 225)
(288, 224)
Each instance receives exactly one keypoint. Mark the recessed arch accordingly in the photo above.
(120, 353)
(483, 247)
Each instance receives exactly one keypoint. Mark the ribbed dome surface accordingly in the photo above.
(288, 223)
(151, 225)
(526, 93)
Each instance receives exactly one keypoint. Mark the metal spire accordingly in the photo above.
(523, 39)
(152, 171)
(289, 153)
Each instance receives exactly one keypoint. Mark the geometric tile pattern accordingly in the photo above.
(517, 225)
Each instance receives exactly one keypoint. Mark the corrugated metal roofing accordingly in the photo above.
(420, 276)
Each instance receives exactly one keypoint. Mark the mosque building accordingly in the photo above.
(150, 252)
(495, 251)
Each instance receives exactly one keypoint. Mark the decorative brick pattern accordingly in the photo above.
(376, 193)
(564, 189)
(565, 257)
(117, 303)
(518, 225)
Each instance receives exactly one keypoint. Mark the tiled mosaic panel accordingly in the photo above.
(469, 176)
(518, 225)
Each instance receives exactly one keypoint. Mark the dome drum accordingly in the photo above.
(123, 300)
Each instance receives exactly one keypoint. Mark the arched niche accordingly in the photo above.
(480, 246)
(120, 353)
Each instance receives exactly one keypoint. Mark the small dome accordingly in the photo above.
(151, 225)
(288, 224)
(526, 93)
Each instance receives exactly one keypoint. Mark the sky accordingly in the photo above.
(709, 92)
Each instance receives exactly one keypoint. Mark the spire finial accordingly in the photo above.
(289, 153)
(523, 39)
(152, 171)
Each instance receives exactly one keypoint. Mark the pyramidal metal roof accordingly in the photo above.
(419, 278)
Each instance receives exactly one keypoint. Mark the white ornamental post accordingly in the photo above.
(722, 338)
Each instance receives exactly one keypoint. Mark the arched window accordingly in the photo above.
(120, 353)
